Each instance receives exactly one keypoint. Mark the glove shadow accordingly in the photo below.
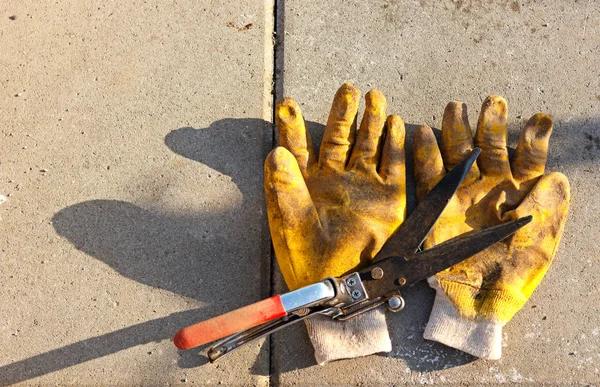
(188, 254)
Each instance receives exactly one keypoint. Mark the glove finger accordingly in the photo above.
(340, 130)
(293, 219)
(457, 140)
(491, 138)
(393, 164)
(429, 167)
(367, 148)
(293, 134)
(532, 151)
(535, 244)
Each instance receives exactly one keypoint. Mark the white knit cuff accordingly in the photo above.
(481, 338)
(363, 335)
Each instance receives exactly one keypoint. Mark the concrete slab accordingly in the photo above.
(133, 136)
(541, 56)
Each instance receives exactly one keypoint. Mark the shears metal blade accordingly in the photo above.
(409, 236)
(397, 265)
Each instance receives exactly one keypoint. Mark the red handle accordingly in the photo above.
(230, 323)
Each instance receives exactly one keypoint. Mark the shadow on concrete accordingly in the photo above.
(96, 347)
(188, 254)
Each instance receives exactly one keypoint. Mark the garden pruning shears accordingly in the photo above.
(398, 264)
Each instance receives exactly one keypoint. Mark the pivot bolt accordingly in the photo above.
(377, 273)
(356, 294)
(395, 304)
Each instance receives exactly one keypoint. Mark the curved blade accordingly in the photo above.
(415, 228)
(416, 267)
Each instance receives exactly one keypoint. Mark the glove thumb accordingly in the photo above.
(548, 203)
(293, 219)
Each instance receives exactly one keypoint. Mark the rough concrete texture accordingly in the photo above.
(132, 137)
(541, 56)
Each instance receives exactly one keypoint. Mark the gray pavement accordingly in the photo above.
(541, 56)
(133, 136)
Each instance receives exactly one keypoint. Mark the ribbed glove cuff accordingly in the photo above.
(361, 336)
(478, 337)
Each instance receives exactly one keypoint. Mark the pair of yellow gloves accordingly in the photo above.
(332, 213)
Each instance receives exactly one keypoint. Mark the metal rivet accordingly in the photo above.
(351, 281)
(395, 303)
(402, 281)
(223, 349)
(356, 294)
(377, 273)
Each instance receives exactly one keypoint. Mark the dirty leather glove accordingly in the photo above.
(331, 216)
(477, 297)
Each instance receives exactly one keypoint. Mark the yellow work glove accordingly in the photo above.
(477, 297)
(332, 215)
